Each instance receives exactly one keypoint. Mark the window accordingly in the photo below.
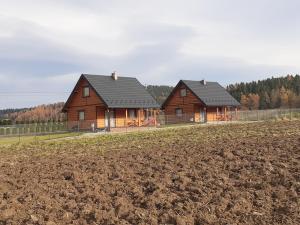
(81, 115)
(132, 113)
(178, 112)
(183, 92)
(86, 92)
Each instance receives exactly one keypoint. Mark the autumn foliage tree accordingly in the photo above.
(281, 92)
(250, 102)
(42, 113)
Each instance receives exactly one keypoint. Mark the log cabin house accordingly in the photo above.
(199, 101)
(105, 102)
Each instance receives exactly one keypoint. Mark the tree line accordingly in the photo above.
(159, 92)
(41, 113)
(281, 92)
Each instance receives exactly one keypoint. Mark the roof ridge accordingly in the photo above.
(101, 75)
(200, 80)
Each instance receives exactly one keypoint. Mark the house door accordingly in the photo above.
(112, 119)
(202, 115)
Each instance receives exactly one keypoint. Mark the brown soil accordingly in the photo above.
(235, 174)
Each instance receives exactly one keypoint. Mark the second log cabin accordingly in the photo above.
(199, 101)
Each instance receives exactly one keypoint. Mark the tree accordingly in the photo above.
(253, 102)
(275, 98)
(245, 102)
(284, 98)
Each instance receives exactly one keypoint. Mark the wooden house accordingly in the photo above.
(199, 101)
(99, 101)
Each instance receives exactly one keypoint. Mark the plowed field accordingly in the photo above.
(225, 174)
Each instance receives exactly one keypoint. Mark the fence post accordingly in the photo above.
(19, 134)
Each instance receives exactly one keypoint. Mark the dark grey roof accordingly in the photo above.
(125, 92)
(211, 94)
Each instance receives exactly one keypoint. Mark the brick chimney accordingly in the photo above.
(114, 75)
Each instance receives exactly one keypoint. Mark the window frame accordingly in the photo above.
(179, 115)
(83, 91)
(134, 114)
(185, 92)
(79, 112)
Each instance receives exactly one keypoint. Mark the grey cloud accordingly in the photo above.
(29, 59)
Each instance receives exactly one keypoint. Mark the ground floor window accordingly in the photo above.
(81, 115)
(178, 112)
(132, 113)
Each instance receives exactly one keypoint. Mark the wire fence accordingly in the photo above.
(32, 128)
(270, 114)
(161, 120)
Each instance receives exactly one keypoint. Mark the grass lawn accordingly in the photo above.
(30, 139)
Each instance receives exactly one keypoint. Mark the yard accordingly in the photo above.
(36, 138)
(216, 174)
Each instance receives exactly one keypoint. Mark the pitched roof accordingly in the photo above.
(211, 93)
(125, 92)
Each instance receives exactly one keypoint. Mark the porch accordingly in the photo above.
(224, 113)
(124, 117)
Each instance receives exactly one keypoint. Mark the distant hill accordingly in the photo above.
(281, 92)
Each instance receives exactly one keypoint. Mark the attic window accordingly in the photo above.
(86, 92)
(183, 92)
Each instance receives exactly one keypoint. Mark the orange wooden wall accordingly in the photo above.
(88, 104)
(190, 104)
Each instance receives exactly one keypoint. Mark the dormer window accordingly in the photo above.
(86, 92)
(183, 92)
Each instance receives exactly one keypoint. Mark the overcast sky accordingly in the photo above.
(46, 44)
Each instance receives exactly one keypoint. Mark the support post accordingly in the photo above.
(155, 122)
(126, 116)
(236, 113)
(225, 110)
(139, 118)
(108, 120)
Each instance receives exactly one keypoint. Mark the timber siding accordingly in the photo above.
(204, 101)
(189, 104)
(109, 101)
(87, 104)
